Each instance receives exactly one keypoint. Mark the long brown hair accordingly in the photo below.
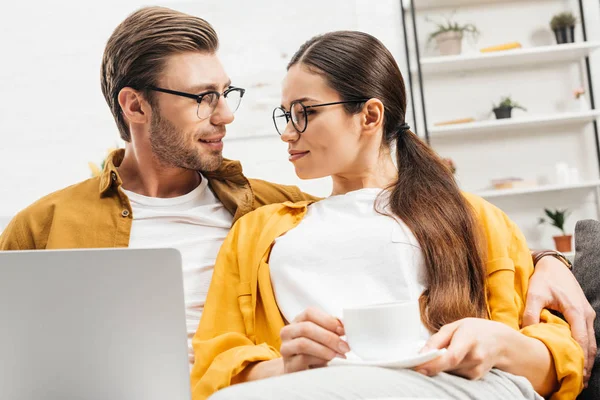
(425, 196)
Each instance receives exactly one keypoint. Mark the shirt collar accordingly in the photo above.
(229, 170)
(110, 175)
(300, 204)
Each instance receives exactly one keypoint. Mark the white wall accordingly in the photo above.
(53, 118)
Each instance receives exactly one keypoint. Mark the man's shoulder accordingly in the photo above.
(29, 229)
(77, 194)
(270, 193)
(273, 214)
(496, 225)
(484, 209)
(265, 188)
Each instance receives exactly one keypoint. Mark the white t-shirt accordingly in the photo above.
(345, 254)
(196, 224)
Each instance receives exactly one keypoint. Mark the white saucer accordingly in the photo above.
(408, 361)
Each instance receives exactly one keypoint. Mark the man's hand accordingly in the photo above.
(554, 287)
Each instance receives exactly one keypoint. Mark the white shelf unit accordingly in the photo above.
(431, 4)
(511, 61)
(513, 58)
(492, 127)
(489, 194)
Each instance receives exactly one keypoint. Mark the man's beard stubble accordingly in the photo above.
(169, 147)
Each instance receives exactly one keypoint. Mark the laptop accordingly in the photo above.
(93, 324)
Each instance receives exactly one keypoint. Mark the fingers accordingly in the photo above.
(592, 348)
(312, 340)
(315, 333)
(442, 338)
(471, 371)
(449, 361)
(458, 346)
(307, 347)
(322, 319)
(579, 331)
(303, 362)
(533, 308)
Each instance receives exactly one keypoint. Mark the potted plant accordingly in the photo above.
(97, 170)
(581, 104)
(449, 36)
(563, 25)
(557, 218)
(450, 164)
(505, 107)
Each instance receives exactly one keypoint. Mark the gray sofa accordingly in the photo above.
(586, 269)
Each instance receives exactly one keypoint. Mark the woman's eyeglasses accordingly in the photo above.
(298, 114)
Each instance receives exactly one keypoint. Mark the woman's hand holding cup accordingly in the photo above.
(312, 340)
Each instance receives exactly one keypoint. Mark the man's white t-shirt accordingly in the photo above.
(196, 224)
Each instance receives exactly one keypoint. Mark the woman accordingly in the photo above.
(386, 233)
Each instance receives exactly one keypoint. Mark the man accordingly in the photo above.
(170, 187)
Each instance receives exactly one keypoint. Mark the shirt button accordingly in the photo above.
(125, 213)
(113, 176)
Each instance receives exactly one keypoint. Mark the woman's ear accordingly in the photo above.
(372, 116)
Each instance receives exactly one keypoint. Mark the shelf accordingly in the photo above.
(501, 125)
(542, 55)
(430, 4)
(489, 194)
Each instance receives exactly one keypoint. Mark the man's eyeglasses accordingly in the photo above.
(298, 114)
(207, 101)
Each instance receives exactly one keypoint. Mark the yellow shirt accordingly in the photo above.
(241, 320)
(96, 213)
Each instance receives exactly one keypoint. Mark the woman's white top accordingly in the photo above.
(346, 254)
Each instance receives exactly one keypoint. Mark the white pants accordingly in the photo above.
(370, 383)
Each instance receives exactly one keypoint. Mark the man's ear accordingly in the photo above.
(372, 116)
(135, 108)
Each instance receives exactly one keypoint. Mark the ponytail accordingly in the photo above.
(427, 199)
(357, 65)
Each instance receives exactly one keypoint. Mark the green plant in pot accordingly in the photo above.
(563, 25)
(557, 219)
(504, 109)
(449, 35)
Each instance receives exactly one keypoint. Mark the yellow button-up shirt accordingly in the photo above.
(241, 321)
(96, 213)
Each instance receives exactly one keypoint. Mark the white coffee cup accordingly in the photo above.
(384, 331)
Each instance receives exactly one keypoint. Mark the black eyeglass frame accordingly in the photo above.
(198, 97)
(288, 114)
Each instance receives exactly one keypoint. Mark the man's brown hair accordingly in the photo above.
(136, 52)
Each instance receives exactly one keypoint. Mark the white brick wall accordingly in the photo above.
(53, 118)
